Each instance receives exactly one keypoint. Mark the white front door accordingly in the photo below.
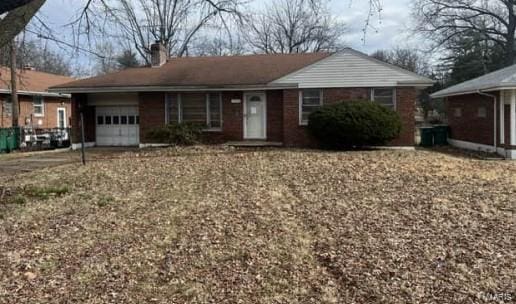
(117, 126)
(255, 116)
(61, 118)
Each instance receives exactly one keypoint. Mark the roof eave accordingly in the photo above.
(121, 89)
(37, 93)
(422, 84)
(474, 91)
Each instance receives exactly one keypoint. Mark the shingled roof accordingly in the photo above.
(504, 78)
(223, 71)
(31, 82)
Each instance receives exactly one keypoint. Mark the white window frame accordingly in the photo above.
(394, 96)
(208, 114)
(65, 125)
(42, 106)
(321, 103)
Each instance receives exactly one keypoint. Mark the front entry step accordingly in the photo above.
(254, 143)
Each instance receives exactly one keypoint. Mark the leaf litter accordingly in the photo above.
(219, 225)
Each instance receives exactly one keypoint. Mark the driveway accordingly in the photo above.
(27, 162)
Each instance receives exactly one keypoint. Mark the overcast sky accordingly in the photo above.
(392, 28)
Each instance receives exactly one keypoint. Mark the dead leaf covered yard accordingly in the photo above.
(207, 225)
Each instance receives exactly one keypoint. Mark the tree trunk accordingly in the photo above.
(16, 20)
(9, 5)
(510, 52)
(14, 89)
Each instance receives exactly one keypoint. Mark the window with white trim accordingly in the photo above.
(38, 105)
(384, 96)
(201, 108)
(310, 100)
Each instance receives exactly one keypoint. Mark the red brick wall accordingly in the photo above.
(48, 120)
(275, 116)
(297, 136)
(406, 108)
(282, 115)
(294, 135)
(232, 116)
(79, 101)
(152, 113)
(470, 127)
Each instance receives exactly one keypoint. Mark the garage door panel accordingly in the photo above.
(114, 128)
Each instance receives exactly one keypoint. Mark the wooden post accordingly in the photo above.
(14, 87)
(502, 117)
(83, 154)
(513, 118)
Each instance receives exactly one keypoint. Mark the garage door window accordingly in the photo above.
(100, 120)
(108, 120)
(123, 120)
(116, 120)
(131, 120)
(200, 108)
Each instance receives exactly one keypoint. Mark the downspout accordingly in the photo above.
(495, 99)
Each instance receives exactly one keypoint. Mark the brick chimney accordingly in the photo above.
(159, 54)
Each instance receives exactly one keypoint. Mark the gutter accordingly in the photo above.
(495, 99)
(473, 91)
(127, 89)
(34, 93)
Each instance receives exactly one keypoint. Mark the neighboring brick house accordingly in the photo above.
(38, 108)
(482, 113)
(258, 98)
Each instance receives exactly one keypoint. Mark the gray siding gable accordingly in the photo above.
(350, 68)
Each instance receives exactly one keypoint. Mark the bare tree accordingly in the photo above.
(218, 45)
(172, 22)
(107, 63)
(408, 59)
(443, 21)
(175, 22)
(295, 26)
(38, 55)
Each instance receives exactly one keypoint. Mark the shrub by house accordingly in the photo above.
(354, 124)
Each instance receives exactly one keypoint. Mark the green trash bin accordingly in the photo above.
(427, 136)
(441, 135)
(9, 139)
(3, 140)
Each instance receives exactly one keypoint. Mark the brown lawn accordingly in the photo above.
(208, 225)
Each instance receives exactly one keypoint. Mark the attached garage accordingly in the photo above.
(117, 119)
(117, 126)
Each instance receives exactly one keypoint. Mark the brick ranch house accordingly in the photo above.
(38, 108)
(482, 113)
(260, 98)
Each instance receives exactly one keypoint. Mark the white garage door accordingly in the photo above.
(118, 126)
